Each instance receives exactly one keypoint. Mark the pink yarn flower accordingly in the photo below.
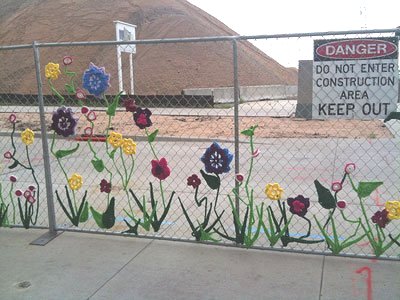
(349, 168)
(336, 186)
(91, 116)
(8, 155)
(256, 153)
(67, 60)
(88, 131)
(12, 118)
(80, 94)
(239, 177)
(31, 199)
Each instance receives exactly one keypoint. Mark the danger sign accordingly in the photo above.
(355, 78)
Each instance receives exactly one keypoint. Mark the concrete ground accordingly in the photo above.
(83, 266)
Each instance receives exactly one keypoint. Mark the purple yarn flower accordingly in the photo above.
(105, 186)
(381, 218)
(216, 160)
(95, 80)
(63, 122)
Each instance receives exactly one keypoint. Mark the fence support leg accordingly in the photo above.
(52, 233)
(236, 97)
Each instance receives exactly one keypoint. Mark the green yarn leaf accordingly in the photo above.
(325, 197)
(213, 181)
(62, 153)
(98, 165)
(366, 188)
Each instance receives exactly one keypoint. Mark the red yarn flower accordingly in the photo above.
(194, 181)
(160, 169)
(298, 205)
(142, 117)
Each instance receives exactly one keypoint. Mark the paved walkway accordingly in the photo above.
(82, 266)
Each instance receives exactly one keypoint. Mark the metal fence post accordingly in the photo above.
(236, 116)
(52, 233)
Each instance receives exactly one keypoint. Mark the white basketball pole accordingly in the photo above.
(131, 73)
(120, 82)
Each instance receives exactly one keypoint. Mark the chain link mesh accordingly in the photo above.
(22, 165)
(190, 92)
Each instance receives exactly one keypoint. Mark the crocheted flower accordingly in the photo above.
(67, 60)
(341, 204)
(216, 160)
(52, 70)
(88, 131)
(91, 116)
(8, 155)
(31, 199)
(128, 146)
(115, 139)
(194, 181)
(27, 136)
(85, 110)
(105, 186)
(142, 117)
(255, 153)
(64, 122)
(393, 209)
(273, 191)
(160, 169)
(239, 177)
(80, 94)
(299, 205)
(75, 182)
(381, 218)
(350, 168)
(129, 105)
(12, 118)
(95, 80)
(336, 186)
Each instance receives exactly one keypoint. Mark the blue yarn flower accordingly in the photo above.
(216, 159)
(95, 80)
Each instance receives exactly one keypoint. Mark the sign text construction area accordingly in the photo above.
(355, 78)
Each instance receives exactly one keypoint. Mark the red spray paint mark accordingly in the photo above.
(368, 280)
(365, 244)
(377, 198)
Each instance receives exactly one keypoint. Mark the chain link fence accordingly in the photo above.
(226, 120)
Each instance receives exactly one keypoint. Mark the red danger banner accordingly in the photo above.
(371, 48)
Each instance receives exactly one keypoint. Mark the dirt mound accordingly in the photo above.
(159, 69)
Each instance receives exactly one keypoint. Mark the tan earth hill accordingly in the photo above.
(158, 69)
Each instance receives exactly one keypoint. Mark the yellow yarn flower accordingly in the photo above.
(115, 139)
(273, 191)
(393, 209)
(75, 182)
(52, 70)
(27, 136)
(129, 146)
